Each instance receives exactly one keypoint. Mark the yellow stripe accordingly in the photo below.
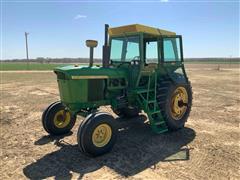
(89, 77)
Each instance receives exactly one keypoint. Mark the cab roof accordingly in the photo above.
(138, 28)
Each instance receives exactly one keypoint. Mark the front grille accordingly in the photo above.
(95, 89)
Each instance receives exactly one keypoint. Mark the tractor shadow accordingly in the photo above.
(48, 138)
(137, 149)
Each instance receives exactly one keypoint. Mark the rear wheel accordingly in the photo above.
(97, 134)
(175, 101)
(57, 120)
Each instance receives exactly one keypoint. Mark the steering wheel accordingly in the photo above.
(135, 60)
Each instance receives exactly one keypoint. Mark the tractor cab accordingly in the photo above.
(142, 48)
(139, 44)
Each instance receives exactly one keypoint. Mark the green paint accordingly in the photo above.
(129, 81)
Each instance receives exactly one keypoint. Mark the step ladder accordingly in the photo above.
(147, 99)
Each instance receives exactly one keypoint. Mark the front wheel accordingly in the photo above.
(57, 120)
(97, 134)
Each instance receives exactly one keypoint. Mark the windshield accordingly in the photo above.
(125, 49)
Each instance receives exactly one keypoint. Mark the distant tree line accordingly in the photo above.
(54, 60)
(230, 59)
(86, 60)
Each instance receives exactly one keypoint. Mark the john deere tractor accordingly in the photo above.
(142, 71)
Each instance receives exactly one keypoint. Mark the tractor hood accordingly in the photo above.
(86, 72)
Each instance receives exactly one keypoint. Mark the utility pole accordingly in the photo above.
(26, 34)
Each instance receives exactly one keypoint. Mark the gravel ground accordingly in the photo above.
(207, 148)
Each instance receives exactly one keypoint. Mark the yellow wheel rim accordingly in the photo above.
(101, 135)
(62, 118)
(179, 103)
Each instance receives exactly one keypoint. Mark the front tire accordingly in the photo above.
(97, 134)
(44, 116)
(57, 120)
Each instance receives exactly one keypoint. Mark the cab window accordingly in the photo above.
(125, 49)
(171, 48)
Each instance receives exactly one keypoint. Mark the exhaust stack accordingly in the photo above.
(91, 44)
(106, 49)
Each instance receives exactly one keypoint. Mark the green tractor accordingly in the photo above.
(142, 70)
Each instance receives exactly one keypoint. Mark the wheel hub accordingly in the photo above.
(101, 135)
(62, 118)
(179, 103)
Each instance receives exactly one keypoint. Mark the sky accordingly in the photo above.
(58, 29)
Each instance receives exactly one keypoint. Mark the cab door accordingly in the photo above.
(126, 54)
(151, 54)
(149, 62)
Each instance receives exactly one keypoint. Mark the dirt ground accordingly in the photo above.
(207, 148)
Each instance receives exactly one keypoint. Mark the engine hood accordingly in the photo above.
(86, 72)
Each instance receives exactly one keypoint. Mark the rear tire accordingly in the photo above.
(97, 134)
(174, 108)
(57, 120)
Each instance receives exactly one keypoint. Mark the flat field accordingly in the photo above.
(21, 66)
(207, 148)
(13, 66)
